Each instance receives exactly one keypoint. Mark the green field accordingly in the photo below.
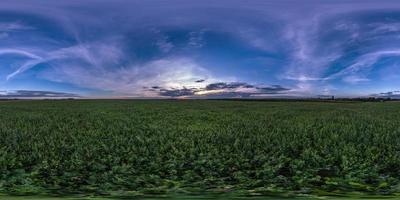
(128, 148)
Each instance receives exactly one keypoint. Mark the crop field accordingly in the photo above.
(131, 148)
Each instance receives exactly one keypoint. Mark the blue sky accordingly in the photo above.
(199, 49)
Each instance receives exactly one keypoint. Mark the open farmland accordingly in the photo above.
(125, 148)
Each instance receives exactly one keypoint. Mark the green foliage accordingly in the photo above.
(132, 147)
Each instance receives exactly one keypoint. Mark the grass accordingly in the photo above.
(132, 148)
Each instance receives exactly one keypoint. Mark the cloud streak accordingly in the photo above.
(35, 94)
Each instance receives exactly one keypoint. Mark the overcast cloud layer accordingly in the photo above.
(180, 48)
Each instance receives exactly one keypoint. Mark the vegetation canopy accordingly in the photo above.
(126, 148)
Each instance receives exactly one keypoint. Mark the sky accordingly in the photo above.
(199, 49)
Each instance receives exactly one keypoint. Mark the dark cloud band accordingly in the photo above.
(36, 94)
(221, 90)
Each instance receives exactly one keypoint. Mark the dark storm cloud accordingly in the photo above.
(274, 89)
(391, 94)
(222, 85)
(200, 81)
(221, 90)
(35, 94)
(176, 92)
(223, 95)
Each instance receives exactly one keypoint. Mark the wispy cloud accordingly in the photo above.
(130, 80)
(94, 54)
(35, 94)
(362, 65)
(13, 26)
(196, 38)
(382, 28)
(164, 45)
(26, 53)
